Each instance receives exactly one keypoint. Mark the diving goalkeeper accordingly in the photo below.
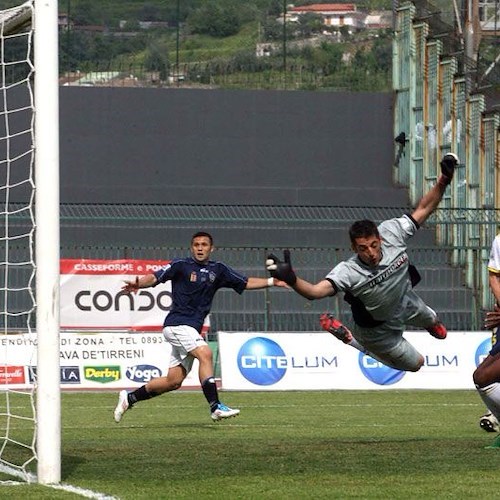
(377, 282)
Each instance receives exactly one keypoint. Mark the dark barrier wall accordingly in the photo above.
(184, 146)
(211, 147)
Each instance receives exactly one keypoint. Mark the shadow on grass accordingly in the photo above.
(70, 463)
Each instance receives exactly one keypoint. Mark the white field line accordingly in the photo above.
(31, 478)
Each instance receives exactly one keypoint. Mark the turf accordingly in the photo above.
(294, 445)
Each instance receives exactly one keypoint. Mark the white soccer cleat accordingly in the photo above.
(122, 405)
(489, 423)
(222, 411)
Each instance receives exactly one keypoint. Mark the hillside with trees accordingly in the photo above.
(216, 43)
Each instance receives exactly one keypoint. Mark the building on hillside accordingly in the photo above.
(91, 28)
(379, 20)
(64, 22)
(334, 15)
(149, 25)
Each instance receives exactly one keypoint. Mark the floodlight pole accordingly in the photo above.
(46, 91)
(284, 44)
(177, 42)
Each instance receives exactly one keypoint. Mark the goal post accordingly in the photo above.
(30, 405)
(47, 240)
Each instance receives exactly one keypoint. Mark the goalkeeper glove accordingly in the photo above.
(281, 270)
(448, 165)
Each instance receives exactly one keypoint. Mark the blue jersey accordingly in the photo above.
(495, 342)
(193, 288)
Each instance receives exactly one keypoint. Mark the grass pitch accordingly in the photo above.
(293, 445)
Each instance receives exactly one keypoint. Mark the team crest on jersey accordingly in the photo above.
(211, 276)
(193, 276)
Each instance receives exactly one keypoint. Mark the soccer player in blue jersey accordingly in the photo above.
(195, 280)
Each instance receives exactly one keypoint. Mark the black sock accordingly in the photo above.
(210, 391)
(140, 395)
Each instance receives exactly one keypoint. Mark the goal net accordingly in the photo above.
(19, 242)
(17, 267)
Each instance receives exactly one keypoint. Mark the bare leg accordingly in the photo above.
(487, 380)
(204, 356)
(172, 381)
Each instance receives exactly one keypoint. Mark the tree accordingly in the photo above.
(150, 12)
(86, 13)
(275, 8)
(102, 49)
(310, 23)
(369, 5)
(156, 59)
(74, 49)
(218, 18)
(344, 31)
(331, 57)
(272, 30)
(382, 53)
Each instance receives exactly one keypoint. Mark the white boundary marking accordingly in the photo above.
(31, 478)
(82, 492)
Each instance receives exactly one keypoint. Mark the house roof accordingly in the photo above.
(326, 7)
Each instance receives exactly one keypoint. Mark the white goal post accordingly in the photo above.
(29, 239)
(47, 239)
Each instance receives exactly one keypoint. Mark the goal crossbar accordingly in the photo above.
(16, 18)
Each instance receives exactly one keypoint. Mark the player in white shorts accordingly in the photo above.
(487, 375)
(378, 283)
(195, 281)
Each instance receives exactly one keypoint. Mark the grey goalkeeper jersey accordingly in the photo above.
(380, 288)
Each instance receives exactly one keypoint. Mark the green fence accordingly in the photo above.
(445, 103)
(455, 278)
(444, 286)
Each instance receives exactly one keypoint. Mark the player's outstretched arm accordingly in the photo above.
(431, 200)
(282, 270)
(312, 291)
(131, 286)
(259, 283)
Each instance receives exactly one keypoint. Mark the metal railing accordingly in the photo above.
(443, 285)
(455, 278)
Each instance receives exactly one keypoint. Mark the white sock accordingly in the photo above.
(490, 395)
